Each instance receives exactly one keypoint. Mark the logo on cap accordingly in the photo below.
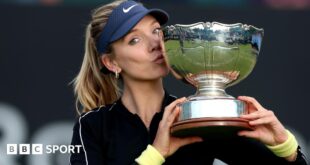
(129, 8)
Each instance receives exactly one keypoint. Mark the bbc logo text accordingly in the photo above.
(39, 149)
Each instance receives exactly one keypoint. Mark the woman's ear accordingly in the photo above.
(109, 63)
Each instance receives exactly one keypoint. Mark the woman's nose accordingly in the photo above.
(155, 41)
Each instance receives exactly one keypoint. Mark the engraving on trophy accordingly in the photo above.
(211, 56)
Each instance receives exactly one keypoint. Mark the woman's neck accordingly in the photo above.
(143, 98)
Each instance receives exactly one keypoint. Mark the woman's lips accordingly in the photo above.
(159, 59)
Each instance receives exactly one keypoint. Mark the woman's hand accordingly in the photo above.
(164, 142)
(267, 127)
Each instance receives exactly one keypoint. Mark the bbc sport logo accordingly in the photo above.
(39, 149)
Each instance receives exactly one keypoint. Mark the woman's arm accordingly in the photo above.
(269, 130)
(164, 144)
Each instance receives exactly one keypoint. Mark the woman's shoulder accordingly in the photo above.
(97, 113)
(94, 119)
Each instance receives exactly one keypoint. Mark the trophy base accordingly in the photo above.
(210, 127)
(218, 117)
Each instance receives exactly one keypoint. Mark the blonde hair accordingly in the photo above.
(91, 87)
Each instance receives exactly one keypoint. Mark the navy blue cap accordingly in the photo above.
(122, 19)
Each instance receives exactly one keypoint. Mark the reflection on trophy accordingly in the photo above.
(211, 56)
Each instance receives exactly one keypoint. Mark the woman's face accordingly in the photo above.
(140, 54)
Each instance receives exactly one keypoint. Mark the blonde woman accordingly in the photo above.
(124, 43)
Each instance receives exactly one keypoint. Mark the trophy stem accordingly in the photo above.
(212, 90)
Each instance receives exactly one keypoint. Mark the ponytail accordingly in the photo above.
(93, 88)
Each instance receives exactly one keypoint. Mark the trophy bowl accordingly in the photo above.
(211, 56)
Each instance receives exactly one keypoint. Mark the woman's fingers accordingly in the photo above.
(252, 116)
(260, 121)
(266, 127)
(252, 101)
(171, 118)
(175, 102)
(169, 109)
(257, 115)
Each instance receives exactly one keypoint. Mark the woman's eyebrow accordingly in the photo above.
(154, 21)
(132, 30)
(135, 29)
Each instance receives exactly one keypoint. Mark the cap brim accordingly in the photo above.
(161, 16)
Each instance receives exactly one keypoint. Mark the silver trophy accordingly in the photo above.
(211, 57)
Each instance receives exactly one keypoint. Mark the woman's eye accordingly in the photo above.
(157, 31)
(134, 41)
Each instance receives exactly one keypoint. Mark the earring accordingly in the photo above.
(116, 74)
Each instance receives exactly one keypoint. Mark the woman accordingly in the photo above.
(124, 43)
